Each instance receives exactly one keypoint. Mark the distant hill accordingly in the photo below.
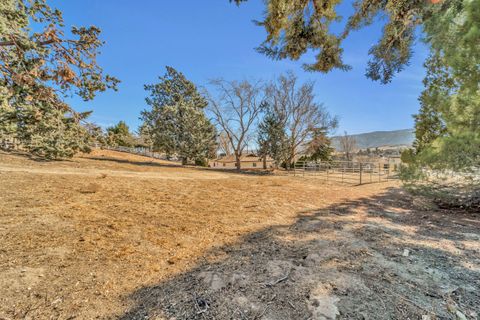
(378, 139)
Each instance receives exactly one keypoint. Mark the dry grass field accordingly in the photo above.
(116, 236)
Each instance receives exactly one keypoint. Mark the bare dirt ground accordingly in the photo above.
(116, 236)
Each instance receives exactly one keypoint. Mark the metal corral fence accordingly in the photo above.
(346, 172)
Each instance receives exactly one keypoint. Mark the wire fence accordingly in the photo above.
(345, 172)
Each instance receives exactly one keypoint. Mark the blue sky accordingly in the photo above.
(213, 38)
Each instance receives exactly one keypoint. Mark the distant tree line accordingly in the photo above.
(40, 65)
(281, 118)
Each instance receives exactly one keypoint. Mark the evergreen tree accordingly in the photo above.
(447, 127)
(295, 27)
(176, 122)
(119, 135)
(96, 134)
(319, 148)
(272, 138)
(37, 68)
(428, 122)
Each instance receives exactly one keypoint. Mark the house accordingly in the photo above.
(248, 161)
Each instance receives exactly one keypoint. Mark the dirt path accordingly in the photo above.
(193, 244)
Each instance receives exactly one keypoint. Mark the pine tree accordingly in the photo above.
(447, 127)
(176, 122)
(428, 122)
(119, 135)
(37, 68)
(319, 148)
(295, 27)
(272, 139)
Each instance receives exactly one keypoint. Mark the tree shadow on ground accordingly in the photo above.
(152, 163)
(145, 163)
(373, 258)
(32, 157)
(251, 172)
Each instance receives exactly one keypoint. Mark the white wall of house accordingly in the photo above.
(244, 164)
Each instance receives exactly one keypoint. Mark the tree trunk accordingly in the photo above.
(264, 162)
(237, 161)
(184, 161)
(290, 162)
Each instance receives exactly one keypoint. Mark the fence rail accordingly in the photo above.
(345, 172)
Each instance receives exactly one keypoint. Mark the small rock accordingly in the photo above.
(322, 305)
(406, 253)
(426, 317)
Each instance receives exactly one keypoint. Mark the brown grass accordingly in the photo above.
(78, 237)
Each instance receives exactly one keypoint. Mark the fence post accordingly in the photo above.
(361, 171)
(343, 169)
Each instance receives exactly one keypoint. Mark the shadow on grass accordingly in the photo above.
(33, 157)
(138, 163)
(253, 172)
(151, 163)
(345, 261)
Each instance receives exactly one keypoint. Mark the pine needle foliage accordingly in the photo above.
(38, 69)
(176, 122)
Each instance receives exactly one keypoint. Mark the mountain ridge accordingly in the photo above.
(377, 139)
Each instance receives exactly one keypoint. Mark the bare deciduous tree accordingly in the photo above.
(224, 145)
(348, 145)
(236, 109)
(302, 116)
